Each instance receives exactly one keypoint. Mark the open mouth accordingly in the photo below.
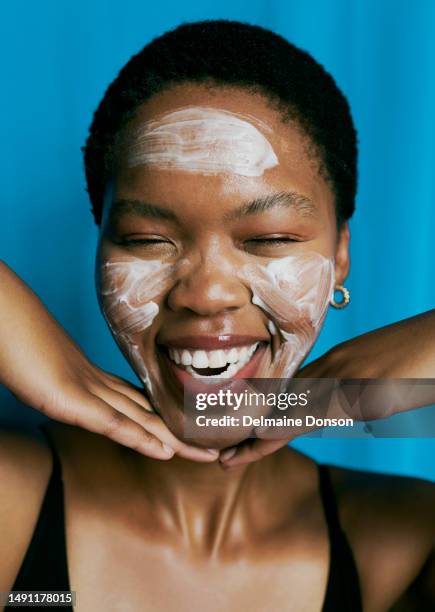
(217, 364)
(209, 365)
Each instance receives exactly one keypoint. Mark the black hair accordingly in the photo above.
(234, 54)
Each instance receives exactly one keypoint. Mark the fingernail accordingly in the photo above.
(167, 450)
(212, 451)
(230, 452)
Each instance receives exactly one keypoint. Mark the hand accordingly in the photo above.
(402, 350)
(44, 368)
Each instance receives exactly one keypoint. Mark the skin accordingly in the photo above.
(212, 299)
(192, 529)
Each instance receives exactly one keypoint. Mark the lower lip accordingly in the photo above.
(248, 371)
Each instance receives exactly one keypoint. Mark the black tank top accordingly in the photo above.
(45, 568)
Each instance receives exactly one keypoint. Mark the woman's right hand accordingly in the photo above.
(43, 367)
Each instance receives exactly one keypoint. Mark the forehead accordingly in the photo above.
(284, 135)
(297, 168)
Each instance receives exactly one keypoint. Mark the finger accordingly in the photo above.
(95, 415)
(194, 453)
(158, 427)
(249, 451)
(186, 451)
(153, 423)
(135, 394)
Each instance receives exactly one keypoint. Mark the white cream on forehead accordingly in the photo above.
(204, 140)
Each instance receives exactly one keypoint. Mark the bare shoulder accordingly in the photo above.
(25, 467)
(368, 497)
(389, 523)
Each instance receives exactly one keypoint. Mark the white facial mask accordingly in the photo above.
(204, 140)
(295, 292)
(128, 289)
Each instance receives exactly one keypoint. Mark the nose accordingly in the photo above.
(209, 288)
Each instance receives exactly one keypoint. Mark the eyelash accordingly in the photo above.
(277, 240)
(143, 241)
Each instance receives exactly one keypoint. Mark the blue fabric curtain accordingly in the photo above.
(58, 58)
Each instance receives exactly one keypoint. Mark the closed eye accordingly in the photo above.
(270, 246)
(272, 240)
(143, 241)
(152, 245)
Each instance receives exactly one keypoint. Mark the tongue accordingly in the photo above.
(210, 371)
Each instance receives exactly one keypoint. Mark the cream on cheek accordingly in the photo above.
(128, 288)
(294, 292)
(203, 140)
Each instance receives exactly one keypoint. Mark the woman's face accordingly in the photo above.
(218, 249)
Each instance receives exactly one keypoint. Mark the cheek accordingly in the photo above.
(294, 292)
(127, 292)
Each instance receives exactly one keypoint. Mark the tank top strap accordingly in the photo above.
(328, 499)
(343, 588)
(44, 566)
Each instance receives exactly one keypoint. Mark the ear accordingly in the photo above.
(342, 258)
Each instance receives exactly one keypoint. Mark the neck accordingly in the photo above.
(208, 508)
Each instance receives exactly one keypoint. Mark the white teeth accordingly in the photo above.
(175, 355)
(217, 359)
(186, 358)
(243, 353)
(232, 355)
(200, 359)
(234, 359)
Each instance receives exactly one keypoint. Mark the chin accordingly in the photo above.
(186, 430)
(218, 442)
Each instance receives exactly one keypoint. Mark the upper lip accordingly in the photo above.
(210, 343)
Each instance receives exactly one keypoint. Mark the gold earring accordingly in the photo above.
(346, 297)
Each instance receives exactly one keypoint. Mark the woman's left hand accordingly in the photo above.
(402, 350)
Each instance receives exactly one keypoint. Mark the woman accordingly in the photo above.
(221, 166)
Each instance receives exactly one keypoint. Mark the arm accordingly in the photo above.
(25, 466)
(402, 350)
(43, 367)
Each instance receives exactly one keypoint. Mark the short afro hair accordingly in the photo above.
(230, 53)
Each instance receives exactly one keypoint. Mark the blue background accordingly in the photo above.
(59, 57)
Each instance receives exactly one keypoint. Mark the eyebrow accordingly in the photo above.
(283, 199)
(142, 209)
